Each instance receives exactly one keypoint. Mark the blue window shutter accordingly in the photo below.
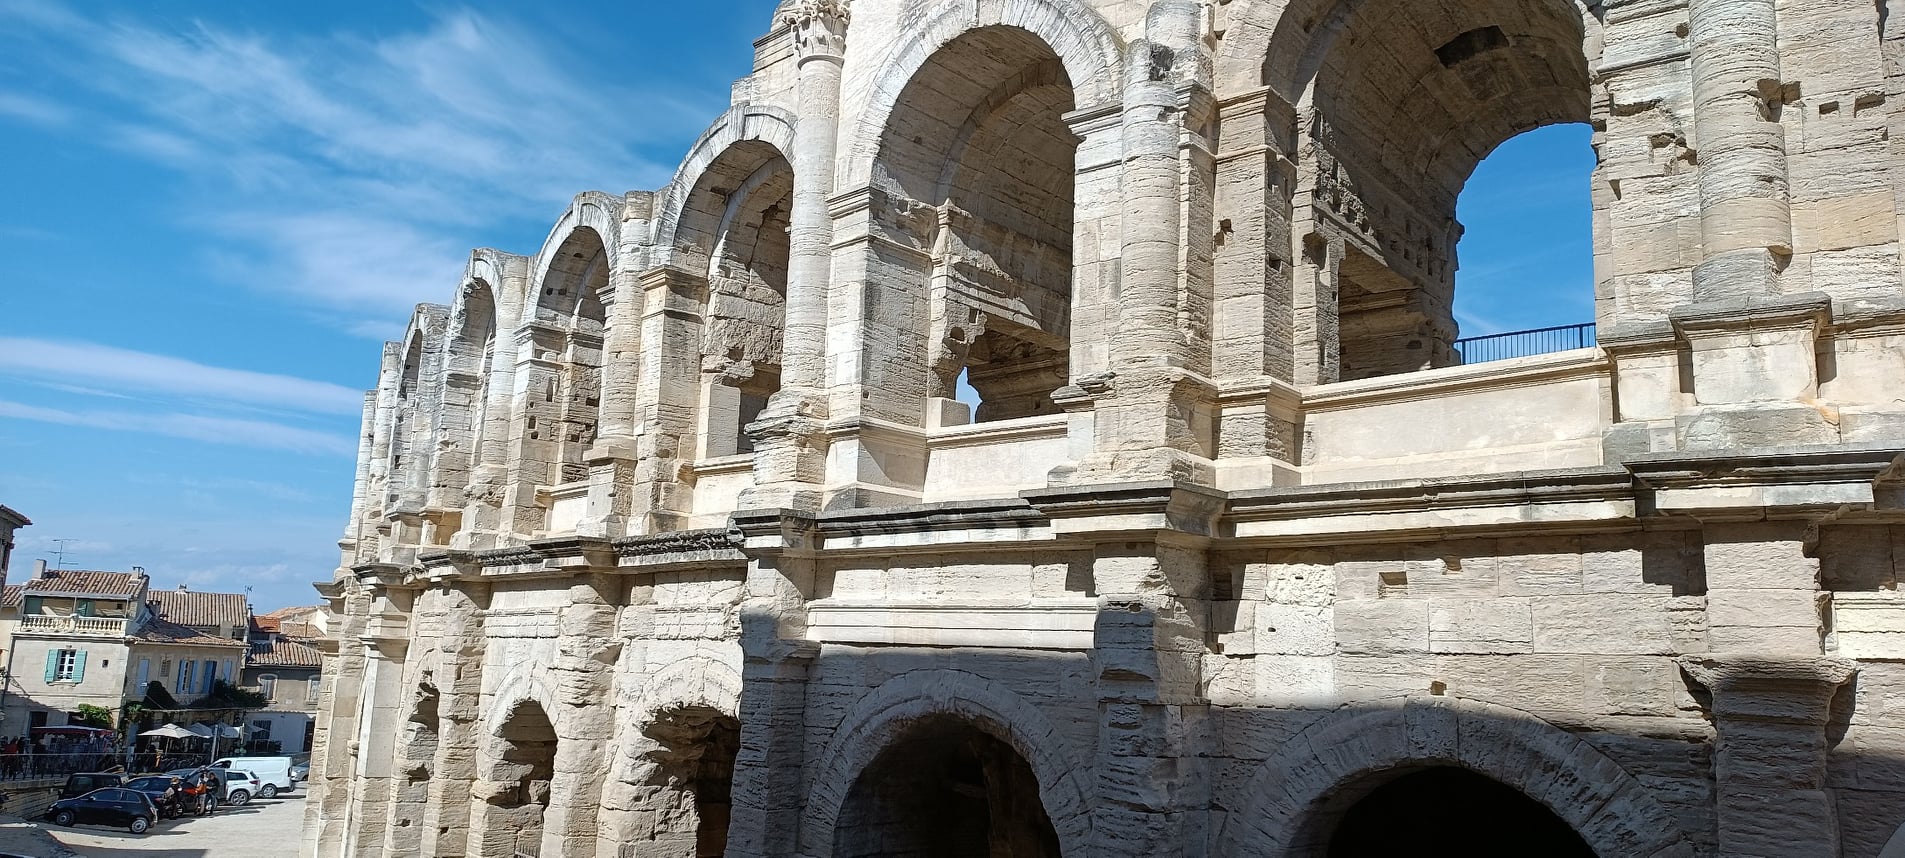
(211, 672)
(145, 673)
(79, 666)
(52, 665)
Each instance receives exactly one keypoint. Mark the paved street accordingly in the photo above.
(266, 828)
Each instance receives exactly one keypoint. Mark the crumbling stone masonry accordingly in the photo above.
(674, 539)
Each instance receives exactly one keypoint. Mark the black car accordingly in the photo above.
(113, 806)
(83, 783)
(166, 791)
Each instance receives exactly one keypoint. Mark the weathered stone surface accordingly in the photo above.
(673, 537)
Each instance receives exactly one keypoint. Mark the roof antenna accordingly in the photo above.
(59, 552)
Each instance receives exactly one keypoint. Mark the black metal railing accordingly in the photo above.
(1515, 344)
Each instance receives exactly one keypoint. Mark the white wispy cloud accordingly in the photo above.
(196, 427)
(37, 111)
(357, 170)
(127, 371)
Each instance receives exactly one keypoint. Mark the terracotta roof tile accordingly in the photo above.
(284, 652)
(10, 596)
(192, 608)
(76, 582)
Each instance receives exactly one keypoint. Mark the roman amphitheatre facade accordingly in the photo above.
(675, 537)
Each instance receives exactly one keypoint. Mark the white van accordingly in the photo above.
(274, 773)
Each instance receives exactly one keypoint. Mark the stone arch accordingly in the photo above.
(670, 786)
(1895, 847)
(1084, 41)
(973, 175)
(1297, 794)
(524, 681)
(873, 722)
(1280, 31)
(696, 680)
(765, 124)
(590, 210)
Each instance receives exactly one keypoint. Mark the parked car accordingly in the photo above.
(301, 771)
(85, 782)
(274, 773)
(237, 787)
(166, 791)
(112, 806)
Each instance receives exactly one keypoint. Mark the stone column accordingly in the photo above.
(1150, 573)
(820, 45)
(1745, 217)
(1155, 418)
(789, 427)
(1769, 763)
(612, 458)
(776, 663)
(379, 722)
(484, 525)
(334, 739)
(446, 817)
(534, 421)
(586, 653)
(669, 389)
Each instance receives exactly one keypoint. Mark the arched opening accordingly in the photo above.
(1448, 811)
(465, 410)
(1406, 99)
(978, 146)
(519, 779)
(1527, 247)
(945, 789)
(572, 304)
(736, 222)
(694, 764)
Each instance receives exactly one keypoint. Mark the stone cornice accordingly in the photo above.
(1583, 499)
(1759, 482)
(1165, 510)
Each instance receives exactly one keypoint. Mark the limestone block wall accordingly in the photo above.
(671, 537)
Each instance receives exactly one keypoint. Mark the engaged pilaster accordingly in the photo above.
(1770, 763)
(790, 427)
(1155, 407)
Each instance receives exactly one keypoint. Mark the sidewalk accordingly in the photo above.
(25, 838)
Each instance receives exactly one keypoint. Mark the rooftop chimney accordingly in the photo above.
(39, 568)
(181, 588)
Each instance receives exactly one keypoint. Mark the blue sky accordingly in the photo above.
(211, 214)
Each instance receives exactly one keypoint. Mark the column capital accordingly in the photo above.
(819, 28)
(1770, 688)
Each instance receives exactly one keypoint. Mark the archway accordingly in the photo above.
(977, 151)
(517, 777)
(1383, 165)
(1292, 806)
(1527, 246)
(1450, 811)
(571, 303)
(945, 789)
(734, 230)
(692, 777)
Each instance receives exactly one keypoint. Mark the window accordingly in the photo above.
(210, 676)
(165, 667)
(34, 605)
(261, 730)
(65, 665)
(268, 685)
(187, 669)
